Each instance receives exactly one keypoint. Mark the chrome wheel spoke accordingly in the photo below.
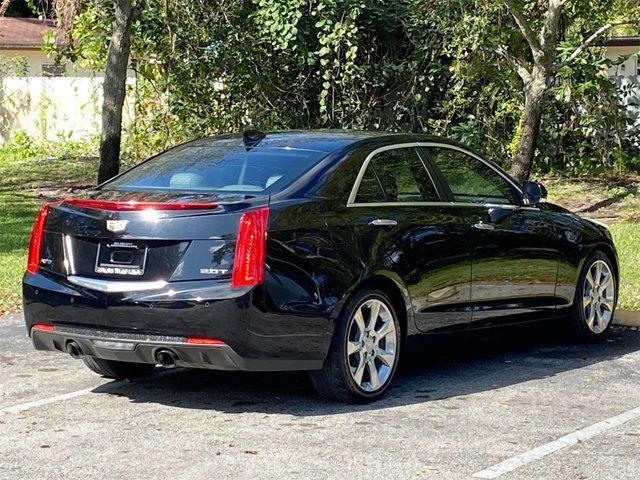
(608, 304)
(386, 328)
(591, 317)
(358, 372)
(586, 301)
(598, 275)
(373, 315)
(590, 280)
(353, 347)
(606, 284)
(599, 319)
(373, 374)
(387, 357)
(359, 321)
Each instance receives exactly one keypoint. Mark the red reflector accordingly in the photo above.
(43, 326)
(250, 258)
(133, 205)
(35, 242)
(204, 341)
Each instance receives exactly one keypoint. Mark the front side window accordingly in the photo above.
(208, 168)
(470, 180)
(396, 175)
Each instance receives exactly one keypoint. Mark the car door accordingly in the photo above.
(515, 250)
(401, 224)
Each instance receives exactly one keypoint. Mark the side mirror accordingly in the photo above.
(533, 192)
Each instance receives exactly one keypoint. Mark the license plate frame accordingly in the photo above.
(108, 264)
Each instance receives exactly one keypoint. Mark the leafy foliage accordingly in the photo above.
(409, 65)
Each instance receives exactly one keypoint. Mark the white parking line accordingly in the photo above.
(537, 453)
(78, 393)
(45, 401)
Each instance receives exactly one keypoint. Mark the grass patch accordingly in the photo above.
(16, 219)
(26, 182)
(627, 239)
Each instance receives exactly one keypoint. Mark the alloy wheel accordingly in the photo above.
(598, 299)
(372, 345)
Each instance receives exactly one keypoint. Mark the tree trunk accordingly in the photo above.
(522, 161)
(114, 88)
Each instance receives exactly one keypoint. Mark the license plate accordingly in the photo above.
(120, 258)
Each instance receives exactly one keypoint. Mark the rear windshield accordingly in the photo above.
(219, 169)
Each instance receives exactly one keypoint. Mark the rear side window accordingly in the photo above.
(396, 175)
(219, 169)
(470, 180)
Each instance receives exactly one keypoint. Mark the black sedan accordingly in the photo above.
(321, 251)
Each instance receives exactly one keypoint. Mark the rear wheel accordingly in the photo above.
(117, 370)
(364, 352)
(596, 298)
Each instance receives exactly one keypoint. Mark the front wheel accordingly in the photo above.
(596, 298)
(364, 352)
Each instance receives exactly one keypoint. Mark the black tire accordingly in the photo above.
(117, 370)
(579, 324)
(335, 380)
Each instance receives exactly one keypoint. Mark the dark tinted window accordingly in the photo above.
(469, 179)
(370, 190)
(396, 175)
(211, 168)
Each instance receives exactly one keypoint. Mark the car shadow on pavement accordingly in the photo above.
(437, 367)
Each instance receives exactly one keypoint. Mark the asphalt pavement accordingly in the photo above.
(523, 404)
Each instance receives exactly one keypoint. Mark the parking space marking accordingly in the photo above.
(78, 393)
(45, 401)
(542, 451)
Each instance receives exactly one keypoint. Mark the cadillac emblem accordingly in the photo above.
(117, 225)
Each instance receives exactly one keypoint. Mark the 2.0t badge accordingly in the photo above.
(117, 225)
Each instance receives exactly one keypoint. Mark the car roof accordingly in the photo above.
(316, 140)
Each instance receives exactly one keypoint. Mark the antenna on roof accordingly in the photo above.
(251, 138)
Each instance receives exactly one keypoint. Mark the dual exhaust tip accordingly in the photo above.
(74, 350)
(164, 357)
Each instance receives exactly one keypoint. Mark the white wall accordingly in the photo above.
(630, 65)
(47, 108)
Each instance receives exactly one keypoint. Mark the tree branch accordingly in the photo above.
(525, 27)
(517, 65)
(4, 5)
(551, 28)
(591, 39)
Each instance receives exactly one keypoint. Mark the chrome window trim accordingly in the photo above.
(351, 202)
(444, 204)
(356, 186)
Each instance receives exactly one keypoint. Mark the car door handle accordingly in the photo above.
(483, 226)
(383, 222)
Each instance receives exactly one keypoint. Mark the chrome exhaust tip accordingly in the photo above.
(74, 350)
(166, 358)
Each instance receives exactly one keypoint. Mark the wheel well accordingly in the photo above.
(608, 251)
(392, 290)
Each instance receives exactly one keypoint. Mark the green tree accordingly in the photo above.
(121, 13)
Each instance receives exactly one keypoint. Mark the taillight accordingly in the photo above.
(134, 205)
(35, 243)
(43, 326)
(204, 341)
(250, 258)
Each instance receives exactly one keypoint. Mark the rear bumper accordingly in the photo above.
(257, 334)
(137, 348)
